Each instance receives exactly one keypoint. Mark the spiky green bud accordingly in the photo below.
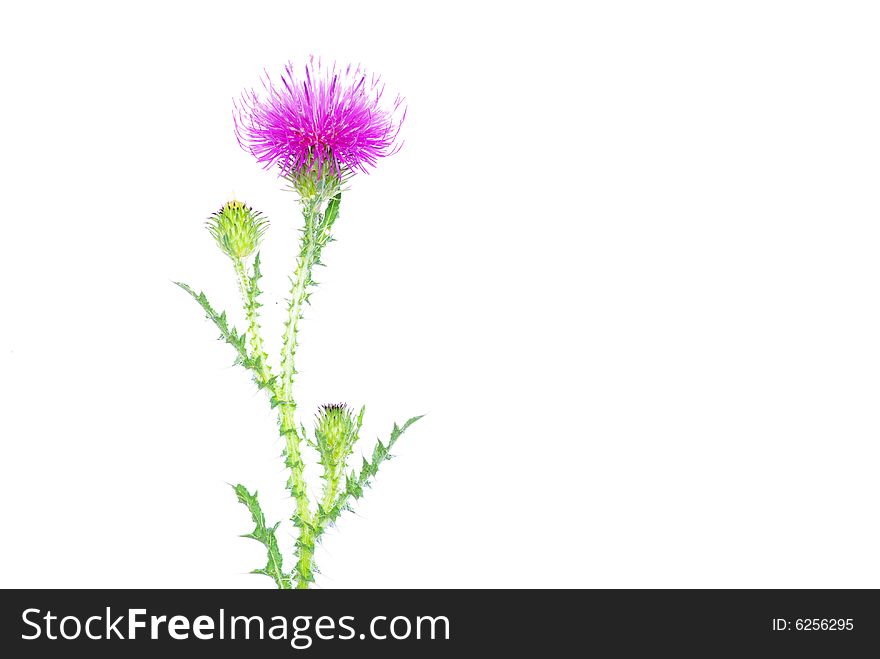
(238, 229)
(335, 430)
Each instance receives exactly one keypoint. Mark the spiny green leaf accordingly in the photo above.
(264, 535)
(355, 483)
(231, 336)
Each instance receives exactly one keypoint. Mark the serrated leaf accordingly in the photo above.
(355, 483)
(231, 336)
(264, 535)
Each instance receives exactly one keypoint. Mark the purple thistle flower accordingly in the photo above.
(331, 118)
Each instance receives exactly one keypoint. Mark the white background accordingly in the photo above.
(626, 261)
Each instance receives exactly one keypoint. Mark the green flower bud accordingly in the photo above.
(238, 229)
(335, 431)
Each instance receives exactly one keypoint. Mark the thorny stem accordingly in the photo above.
(249, 301)
(331, 487)
(302, 517)
(315, 235)
(301, 279)
(287, 410)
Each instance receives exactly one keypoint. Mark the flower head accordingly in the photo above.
(237, 228)
(336, 431)
(335, 420)
(333, 118)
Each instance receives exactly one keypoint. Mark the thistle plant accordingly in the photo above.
(317, 132)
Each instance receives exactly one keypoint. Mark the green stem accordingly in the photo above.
(302, 516)
(331, 487)
(306, 551)
(251, 306)
(301, 279)
(315, 235)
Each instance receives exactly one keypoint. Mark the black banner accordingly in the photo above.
(436, 623)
